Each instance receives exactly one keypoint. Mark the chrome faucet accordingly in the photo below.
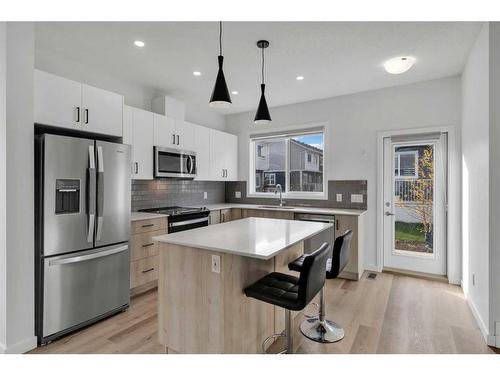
(279, 189)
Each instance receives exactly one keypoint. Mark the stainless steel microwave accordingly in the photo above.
(174, 163)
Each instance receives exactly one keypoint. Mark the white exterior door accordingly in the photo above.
(414, 207)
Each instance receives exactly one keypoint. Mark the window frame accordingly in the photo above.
(398, 156)
(288, 133)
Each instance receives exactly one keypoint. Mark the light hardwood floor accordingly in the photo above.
(390, 314)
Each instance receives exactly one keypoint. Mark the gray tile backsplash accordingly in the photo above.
(344, 187)
(164, 193)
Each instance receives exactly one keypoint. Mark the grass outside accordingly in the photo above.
(413, 232)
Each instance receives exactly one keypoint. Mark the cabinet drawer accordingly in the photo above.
(143, 271)
(143, 246)
(151, 225)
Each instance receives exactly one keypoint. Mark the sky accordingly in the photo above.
(315, 140)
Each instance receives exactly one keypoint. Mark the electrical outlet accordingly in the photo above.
(216, 263)
(357, 198)
(237, 194)
(339, 197)
(205, 195)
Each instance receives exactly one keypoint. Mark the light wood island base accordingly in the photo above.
(201, 311)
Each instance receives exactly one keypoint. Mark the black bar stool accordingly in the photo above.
(318, 328)
(290, 292)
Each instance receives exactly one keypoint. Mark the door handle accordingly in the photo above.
(91, 195)
(100, 192)
(82, 258)
(387, 213)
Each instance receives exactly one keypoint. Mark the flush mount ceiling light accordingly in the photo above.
(299, 78)
(139, 43)
(220, 95)
(262, 117)
(399, 65)
(196, 73)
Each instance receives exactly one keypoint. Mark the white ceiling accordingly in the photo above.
(335, 58)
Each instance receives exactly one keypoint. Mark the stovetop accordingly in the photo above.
(174, 210)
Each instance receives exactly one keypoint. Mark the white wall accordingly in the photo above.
(135, 95)
(3, 177)
(475, 177)
(18, 262)
(494, 259)
(353, 123)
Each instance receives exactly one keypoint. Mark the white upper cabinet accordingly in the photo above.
(102, 111)
(202, 148)
(223, 156)
(138, 131)
(58, 101)
(164, 131)
(69, 104)
(173, 133)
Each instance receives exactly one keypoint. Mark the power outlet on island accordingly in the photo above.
(216, 263)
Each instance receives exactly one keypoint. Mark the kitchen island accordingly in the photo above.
(202, 307)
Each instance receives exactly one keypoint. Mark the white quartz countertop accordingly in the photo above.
(298, 209)
(135, 216)
(252, 237)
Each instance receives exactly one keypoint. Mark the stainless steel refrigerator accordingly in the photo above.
(82, 224)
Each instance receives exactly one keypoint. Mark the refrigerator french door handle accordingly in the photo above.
(91, 192)
(100, 192)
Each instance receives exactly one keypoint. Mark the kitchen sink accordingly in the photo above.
(281, 208)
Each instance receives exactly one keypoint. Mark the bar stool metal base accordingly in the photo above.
(324, 331)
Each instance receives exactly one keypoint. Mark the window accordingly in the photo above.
(406, 164)
(295, 161)
(259, 151)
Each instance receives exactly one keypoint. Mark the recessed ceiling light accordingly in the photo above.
(234, 92)
(196, 73)
(398, 65)
(139, 43)
(299, 78)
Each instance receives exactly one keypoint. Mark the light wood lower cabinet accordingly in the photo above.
(271, 214)
(214, 217)
(144, 260)
(355, 268)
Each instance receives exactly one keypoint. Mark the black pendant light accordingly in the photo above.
(220, 96)
(262, 117)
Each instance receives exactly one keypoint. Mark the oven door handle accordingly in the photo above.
(187, 222)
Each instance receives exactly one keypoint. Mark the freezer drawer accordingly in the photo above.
(83, 286)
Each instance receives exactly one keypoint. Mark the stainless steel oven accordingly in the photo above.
(174, 163)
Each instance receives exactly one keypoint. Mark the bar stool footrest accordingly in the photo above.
(273, 337)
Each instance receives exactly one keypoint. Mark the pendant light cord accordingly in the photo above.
(262, 65)
(220, 38)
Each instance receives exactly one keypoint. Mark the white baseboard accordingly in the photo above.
(371, 268)
(19, 347)
(483, 327)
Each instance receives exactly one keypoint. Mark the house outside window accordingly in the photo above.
(295, 161)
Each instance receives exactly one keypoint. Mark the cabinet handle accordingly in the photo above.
(173, 139)
(177, 139)
(148, 244)
(77, 114)
(148, 225)
(337, 224)
(223, 218)
(86, 115)
(136, 167)
(148, 270)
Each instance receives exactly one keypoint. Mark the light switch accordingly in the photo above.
(205, 195)
(357, 198)
(216, 263)
(339, 197)
(237, 194)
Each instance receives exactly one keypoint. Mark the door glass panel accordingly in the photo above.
(414, 198)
